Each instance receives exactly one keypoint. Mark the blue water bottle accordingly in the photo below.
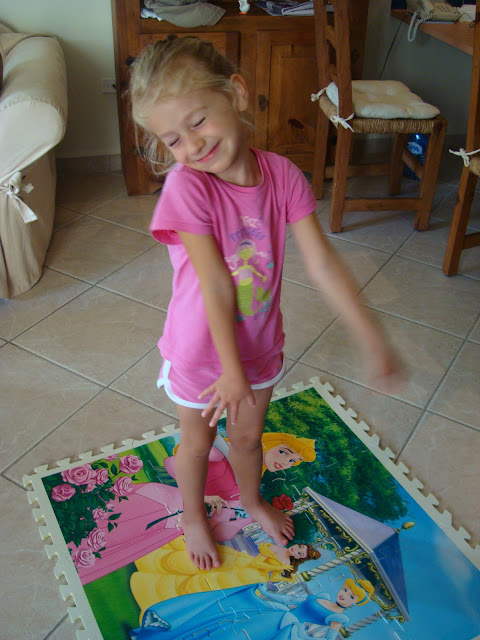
(417, 144)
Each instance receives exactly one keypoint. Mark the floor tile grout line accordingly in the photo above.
(449, 368)
(429, 264)
(432, 398)
(58, 364)
(90, 211)
(130, 367)
(118, 224)
(56, 627)
(143, 403)
(127, 297)
(455, 420)
(45, 436)
(55, 310)
(362, 385)
(127, 263)
(417, 322)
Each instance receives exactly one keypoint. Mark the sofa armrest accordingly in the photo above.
(33, 102)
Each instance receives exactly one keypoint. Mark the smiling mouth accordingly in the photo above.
(210, 154)
(277, 465)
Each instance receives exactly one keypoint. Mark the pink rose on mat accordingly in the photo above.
(101, 476)
(130, 464)
(84, 558)
(79, 475)
(114, 456)
(96, 539)
(99, 514)
(62, 492)
(90, 487)
(122, 486)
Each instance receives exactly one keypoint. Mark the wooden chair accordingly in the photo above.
(459, 239)
(334, 64)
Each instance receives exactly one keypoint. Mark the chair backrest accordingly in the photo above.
(332, 40)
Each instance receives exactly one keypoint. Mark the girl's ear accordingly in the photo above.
(240, 92)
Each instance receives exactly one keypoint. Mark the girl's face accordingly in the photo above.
(298, 551)
(203, 131)
(346, 597)
(280, 457)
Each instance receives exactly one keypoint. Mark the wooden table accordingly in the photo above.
(457, 34)
(466, 37)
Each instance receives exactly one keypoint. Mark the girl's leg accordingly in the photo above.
(191, 467)
(246, 458)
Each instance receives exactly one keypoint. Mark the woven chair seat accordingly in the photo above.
(475, 165)
(379, 125)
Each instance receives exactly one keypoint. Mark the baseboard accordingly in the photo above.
(90, 164)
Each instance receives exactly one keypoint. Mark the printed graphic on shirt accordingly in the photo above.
(249, 268)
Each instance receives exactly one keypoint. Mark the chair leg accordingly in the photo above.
(458, 228)
(340, 175)
(320, 154)
(433, 157)
(396, 163)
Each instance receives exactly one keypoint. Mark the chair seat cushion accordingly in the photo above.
(384, 99)
(475, 165)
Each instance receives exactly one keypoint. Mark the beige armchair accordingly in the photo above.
(33, 112)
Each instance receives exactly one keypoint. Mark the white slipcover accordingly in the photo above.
(33, 112)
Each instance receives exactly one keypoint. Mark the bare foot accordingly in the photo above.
(274, 522)
(200, 544)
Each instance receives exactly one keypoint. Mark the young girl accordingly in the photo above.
(223, 212)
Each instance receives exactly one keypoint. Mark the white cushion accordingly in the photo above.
(386, 99)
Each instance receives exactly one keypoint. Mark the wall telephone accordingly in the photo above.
(423, 10)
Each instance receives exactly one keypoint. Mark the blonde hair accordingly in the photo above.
(167, 69)
(304, 447)
(360, 588)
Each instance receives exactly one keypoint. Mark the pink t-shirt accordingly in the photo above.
(249, 225)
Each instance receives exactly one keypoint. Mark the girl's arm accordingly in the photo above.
(218, 292)
(330, 275)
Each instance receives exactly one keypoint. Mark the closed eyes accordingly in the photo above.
(196, 124)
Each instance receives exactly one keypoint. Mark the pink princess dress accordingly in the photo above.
(161, 504)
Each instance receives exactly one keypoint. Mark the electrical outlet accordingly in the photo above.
(108, 85)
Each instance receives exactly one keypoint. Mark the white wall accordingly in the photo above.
(84, 29)
(435, 70)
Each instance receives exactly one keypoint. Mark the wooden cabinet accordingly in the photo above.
(276, 55)
(286, 76)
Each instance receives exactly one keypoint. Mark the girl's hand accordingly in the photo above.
(228, 391)
(215, 502)
(386, 371)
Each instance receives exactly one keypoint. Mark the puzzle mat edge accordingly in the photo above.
(70, 586)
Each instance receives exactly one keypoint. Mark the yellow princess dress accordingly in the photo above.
(168, 572)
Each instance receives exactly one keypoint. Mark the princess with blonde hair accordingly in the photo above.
(254, 610)
(285, 450)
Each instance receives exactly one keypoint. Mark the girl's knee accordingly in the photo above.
(195, 449)
(246, 442)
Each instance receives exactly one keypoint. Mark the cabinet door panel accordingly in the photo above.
(225, 42)
(286, 77)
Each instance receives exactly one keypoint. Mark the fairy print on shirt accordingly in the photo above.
(246, 265)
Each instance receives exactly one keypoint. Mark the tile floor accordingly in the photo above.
(78, 360)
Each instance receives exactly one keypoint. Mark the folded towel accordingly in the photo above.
(186, 13)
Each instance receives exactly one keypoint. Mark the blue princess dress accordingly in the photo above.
(222, 615)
